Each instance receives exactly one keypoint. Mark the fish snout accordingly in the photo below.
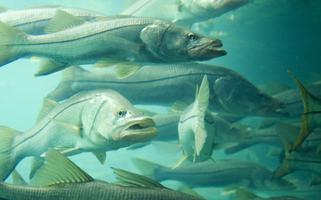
(139, 130)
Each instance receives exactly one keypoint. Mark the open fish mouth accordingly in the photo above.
(139, 130)
(208, 50)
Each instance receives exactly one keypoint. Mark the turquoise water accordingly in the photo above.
(263, 39)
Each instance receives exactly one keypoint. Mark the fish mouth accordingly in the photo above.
(141, 130)
(208, 50)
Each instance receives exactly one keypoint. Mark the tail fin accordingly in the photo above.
(65, 90)
(147, 168)
(311, 117)
(7, 158)
(10, 36)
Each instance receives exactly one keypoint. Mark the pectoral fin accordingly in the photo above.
(49, 66)
(61, 21)
(101, 156)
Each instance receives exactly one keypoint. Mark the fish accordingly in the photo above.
(242, 194)
(118, 40)
(195, 139)
(184, 12)
(311, 116)
(60, 178)
(34, 21)
(215, 174)
(229, 91)
(96, 121)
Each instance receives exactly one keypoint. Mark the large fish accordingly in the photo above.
(215, 174)
(60, 178)
(123, 39)
(95, 121)
(229, 91)
(35, 20)
(184, 12)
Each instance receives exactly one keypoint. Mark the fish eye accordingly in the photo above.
(122, 113)
(192, 36)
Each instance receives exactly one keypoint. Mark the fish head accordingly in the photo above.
(111, 119)
(237, 95)
(171, 43)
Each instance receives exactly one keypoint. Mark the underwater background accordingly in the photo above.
(263, 39)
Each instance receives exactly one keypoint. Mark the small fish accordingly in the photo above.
(229, 91)
(123, 39)
(60, 178)
(311, 117)
(35, 20)
(95, 121)
(215, 174)
(195, 139)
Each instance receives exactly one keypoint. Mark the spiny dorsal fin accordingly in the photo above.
(47, 106)
(17, 178)
(201, 104)
(68, 127)
(101, 156)
(58, 169)
(132, 179)
(61, 21)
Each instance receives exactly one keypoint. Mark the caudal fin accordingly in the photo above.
(7, 157)
(147, 168)
(311, 117)
(9, 40)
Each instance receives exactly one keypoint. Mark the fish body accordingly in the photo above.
(229, 91)
(34, 20)
(95, 121)
(60, 178)
(219, 173)
(92, 190)
(184, 12)
(122, 39)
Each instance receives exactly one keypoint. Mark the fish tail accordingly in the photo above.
(312, 111)
(8, 159)
(10, 38)
(147, 168)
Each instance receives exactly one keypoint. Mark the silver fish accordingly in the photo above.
(184, 12)
(121, 39)
(60, 178)
(219, 173)
(35, 20)
(95, 121)
(229, 91)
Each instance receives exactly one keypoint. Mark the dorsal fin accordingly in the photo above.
(201, 104)
(132, 179)
(311, 115)
(58, 169)
(47, 106)
(61, 21)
